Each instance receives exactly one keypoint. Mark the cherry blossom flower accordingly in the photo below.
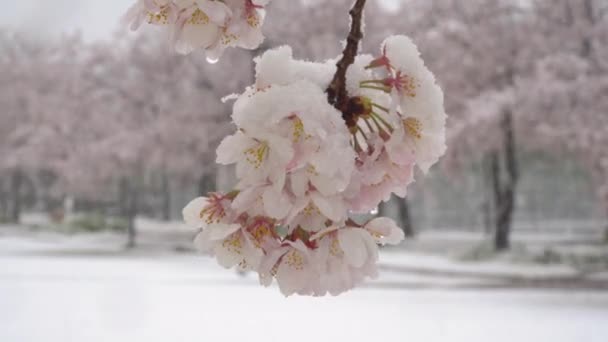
(293, 266)
(312, 211)
(385, 231)
(212, 25)
(198, 25)
(299, 147)
(243, 28)
(416, 98)
(258, 156)
(156, 12)
(230, 239)
(302, 168)
(203, 211)
(263, 200)
(346, 256)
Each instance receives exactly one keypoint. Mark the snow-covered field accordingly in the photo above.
(56, 289)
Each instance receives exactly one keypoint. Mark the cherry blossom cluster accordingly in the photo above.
(303, 166)
(212, 25)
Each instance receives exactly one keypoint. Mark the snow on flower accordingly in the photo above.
(302, 164)
(291, 144)
(211, 25)
(416, 99)
(400, 124)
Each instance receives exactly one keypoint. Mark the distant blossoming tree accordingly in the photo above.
(566, 95)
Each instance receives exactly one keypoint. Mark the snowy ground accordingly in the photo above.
(84, 288)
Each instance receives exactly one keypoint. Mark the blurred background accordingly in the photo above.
(106, 134)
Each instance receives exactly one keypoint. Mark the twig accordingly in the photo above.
(336, 92)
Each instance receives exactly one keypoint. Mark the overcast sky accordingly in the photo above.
(94, 18)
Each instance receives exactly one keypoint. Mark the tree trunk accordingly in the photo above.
(605, 237)
(123, 197)
(504, 186)
(16, 185)
(404, 217)
(3, 202)
(132, 209)
(166, 194)
(487, 205)
(127, 202)
(29, 191)
(587, 41)
(206, 183)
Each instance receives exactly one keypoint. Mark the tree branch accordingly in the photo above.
(336, 92)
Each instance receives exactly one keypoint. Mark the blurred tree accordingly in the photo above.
(109, 121)
(290, 23)
(104, 116)
(488, 41)
(566, 95)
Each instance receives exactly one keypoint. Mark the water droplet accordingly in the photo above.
(374, 211)
(211, 60)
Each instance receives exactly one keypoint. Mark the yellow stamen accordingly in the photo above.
(253, 20)
(256, 155)
(198, 18)
(409, 86)
(335, 249)
(295, 260)
(259, 234)
(233, 243)
(413, 127)
(160, 18)
(312, 170)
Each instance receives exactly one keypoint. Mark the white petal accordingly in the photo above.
(298, 206)
(370, 244)
(278, 177)
(276, 203)
(217, 11)
(291, 279)
(246, 199)
(325, 185)
(398, 150)
(192, 37)
(202, 242)
(281, 149)
(299, 183)
(231, 148)
(385, 231)
(252, 254)
(267, 264)
(192, 212)
(355, 250)
(333, 208)
(225, 257)
(220, 231)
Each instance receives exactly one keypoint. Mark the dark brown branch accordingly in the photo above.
(336, 92)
